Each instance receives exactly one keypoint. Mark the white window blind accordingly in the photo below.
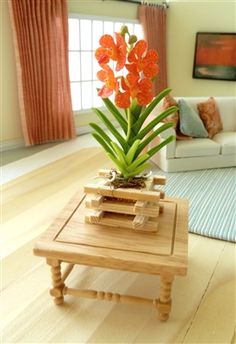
(84, 35)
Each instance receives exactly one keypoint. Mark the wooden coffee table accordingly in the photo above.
(69, 239)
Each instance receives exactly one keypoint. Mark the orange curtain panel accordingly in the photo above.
(153, 21)
(40, 31)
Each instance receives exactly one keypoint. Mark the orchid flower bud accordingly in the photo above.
(124, 30)
(132, 39)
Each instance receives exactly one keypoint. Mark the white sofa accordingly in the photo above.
(200, 153)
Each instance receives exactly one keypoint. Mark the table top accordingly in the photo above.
(70, 239)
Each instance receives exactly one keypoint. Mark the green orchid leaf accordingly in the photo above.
(136, 109)
(112, 129)
(139, 169)
(117, 162)
(101, 132)
(140, 160)
(103, 143)
(120, 154)
(155, 121)
(154, 150)
(152, 136)
(114, 111)
(132, 151)
(149, 109)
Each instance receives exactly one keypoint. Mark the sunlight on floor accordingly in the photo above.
(19, 167)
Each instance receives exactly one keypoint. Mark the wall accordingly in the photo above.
(9, 104)
(185, 18)
(103, 8)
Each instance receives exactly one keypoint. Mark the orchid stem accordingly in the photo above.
(129, 124)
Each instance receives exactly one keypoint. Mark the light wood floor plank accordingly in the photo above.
(43, 194)
(19, 309)
(73, 322)
(37, 185)
(215, 319)
(187, 293)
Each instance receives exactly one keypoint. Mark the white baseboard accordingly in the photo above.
(11, 144)
(83, 130)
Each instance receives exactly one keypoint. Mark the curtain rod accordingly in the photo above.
(141, 2)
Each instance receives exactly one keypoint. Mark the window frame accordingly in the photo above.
(84, 116)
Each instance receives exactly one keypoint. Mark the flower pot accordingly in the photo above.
(136, 209)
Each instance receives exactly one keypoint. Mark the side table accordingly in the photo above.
(165, 253)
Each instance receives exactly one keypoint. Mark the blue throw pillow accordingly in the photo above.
(190, 122)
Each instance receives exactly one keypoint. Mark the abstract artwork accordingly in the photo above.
(215, 56)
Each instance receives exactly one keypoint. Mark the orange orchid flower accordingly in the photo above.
(111, 84)
(111, 50)
(141, 68)
(143, 60)
(141, 89)
(122, 100)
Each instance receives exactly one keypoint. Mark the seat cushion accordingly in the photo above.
(227, 141)
(196, 147)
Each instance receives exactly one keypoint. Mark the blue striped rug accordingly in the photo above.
(212, 200)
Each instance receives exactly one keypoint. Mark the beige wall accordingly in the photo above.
(9, 104)
(185, 18)
(103, 8)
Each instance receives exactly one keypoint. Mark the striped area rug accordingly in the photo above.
(212, 200)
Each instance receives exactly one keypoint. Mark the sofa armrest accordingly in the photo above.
(166, 133)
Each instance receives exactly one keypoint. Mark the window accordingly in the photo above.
(84, 34)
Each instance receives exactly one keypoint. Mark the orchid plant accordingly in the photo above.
(131, 83)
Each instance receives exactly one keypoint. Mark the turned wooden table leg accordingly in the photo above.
(164, 302)
(57, 282)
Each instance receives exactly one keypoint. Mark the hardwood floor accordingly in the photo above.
(203, 304)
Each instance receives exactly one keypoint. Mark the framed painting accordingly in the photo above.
(215, 56)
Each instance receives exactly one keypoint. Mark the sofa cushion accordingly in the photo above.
(210, 115)
(169, 101)
(196, 147)
(226, 106)
(190, 122)
(227, 141)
